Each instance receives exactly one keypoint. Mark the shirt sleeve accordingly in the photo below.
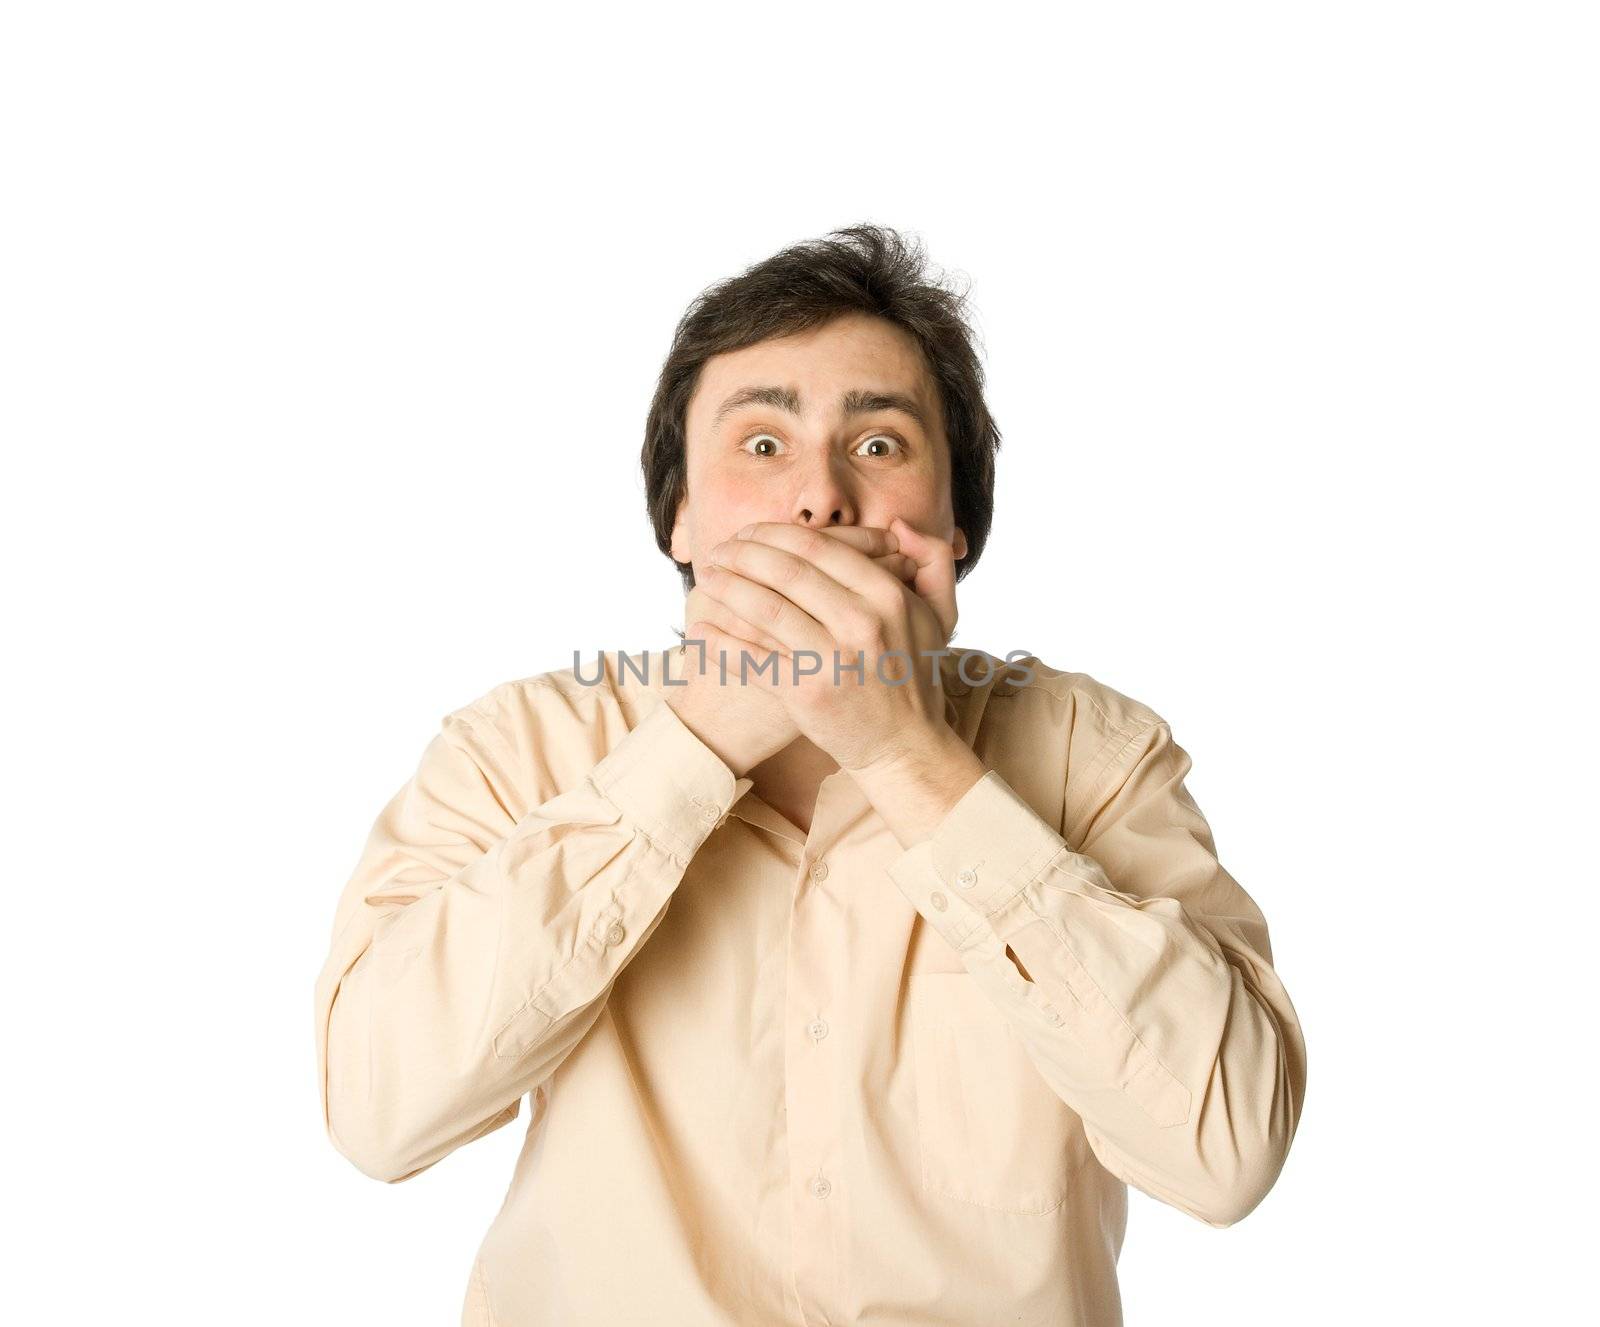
(472, 950)
(1150, 1005)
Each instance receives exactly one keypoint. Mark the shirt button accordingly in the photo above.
(818, 1030)
(821, 1187)
(938, 900)
(819, 872)
(966, 877)
(709, 812)
(614, 933)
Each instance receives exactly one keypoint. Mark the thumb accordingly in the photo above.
(935, 577)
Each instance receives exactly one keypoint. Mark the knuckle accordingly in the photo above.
(813, 542)
(884, 601)
(862, 626)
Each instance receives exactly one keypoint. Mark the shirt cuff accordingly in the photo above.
(670, 783)
(985, 851)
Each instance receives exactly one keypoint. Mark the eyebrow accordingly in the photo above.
(857, 401)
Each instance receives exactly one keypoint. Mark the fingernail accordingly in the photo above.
(746, 532)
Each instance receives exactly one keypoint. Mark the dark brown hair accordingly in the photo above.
(857, 269)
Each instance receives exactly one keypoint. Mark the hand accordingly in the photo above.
(803, 591)
(746, 723)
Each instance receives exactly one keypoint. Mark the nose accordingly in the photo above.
(823, 499)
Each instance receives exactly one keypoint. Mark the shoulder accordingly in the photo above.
(1090, 708)
(541, 734)
(593, 687)
(1061, 736)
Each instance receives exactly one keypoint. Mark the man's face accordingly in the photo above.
(801, 429)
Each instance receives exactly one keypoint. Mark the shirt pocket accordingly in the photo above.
(990, 1130)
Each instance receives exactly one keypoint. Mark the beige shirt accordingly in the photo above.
(799, 1079)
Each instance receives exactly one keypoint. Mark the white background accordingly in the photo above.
(328, 333)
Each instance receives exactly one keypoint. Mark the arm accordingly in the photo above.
(473, 950)
(1136, 971)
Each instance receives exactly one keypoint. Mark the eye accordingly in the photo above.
(758, 437)
(884, 437)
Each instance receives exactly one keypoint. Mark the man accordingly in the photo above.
(840, 996)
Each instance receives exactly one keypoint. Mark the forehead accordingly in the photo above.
(821, 364)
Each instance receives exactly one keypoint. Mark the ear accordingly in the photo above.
(680, 534)
(958, 545)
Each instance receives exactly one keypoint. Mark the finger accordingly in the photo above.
(817, 594)
(867, 538)
(872, 540)
(705, 607)
(935, 578)
(898, 565)
(717, 654)
(823, 574)
(787, 596)
(775, 612)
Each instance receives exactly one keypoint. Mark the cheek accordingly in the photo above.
(917, 503)
(736, 493)
(726, 503)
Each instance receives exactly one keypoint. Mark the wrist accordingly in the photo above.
(739, 745)
(917, 787)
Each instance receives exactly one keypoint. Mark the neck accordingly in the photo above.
(788, 780)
